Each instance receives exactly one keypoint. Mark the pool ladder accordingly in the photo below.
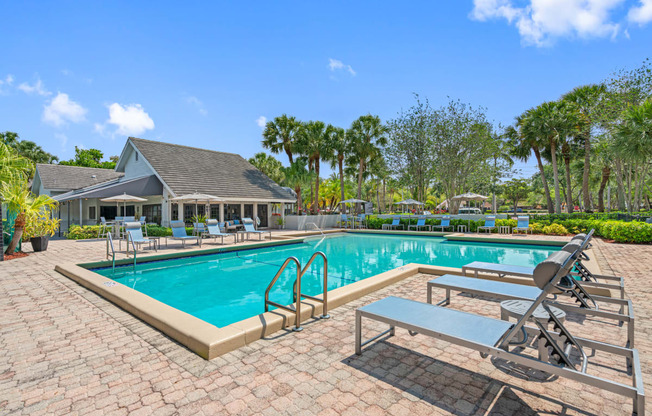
(296, 292)
(110, 250)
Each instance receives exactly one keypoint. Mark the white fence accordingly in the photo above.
(305, 222)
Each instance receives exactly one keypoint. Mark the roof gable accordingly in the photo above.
(227, 175)
(68, 178)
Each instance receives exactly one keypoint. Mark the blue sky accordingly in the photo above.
(92, 73)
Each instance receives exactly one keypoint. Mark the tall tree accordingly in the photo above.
(90, 158)
(340, 146)
(269, 165)
(314, 140)
(279, 135)
(515, 190)
(586, 99)
(27, 148)
(296, 177)
(368, 135)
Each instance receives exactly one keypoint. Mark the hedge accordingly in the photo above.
(619, 231)
(77, 232)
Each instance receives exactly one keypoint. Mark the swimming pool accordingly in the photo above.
(227, 287)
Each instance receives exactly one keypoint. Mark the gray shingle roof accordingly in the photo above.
(68, 178)
(227, 175)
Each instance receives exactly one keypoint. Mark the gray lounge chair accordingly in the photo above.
(179, 234)
(421, 223)
(213, 231)
(445, 223)
(249, 229)
(489, 224)
(396, 222)
(134, 232)
(560, 353)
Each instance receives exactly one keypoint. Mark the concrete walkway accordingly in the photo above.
(64, 350)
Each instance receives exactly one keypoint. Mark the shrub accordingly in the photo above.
(77, 232)
(627, 232)
(555, 229)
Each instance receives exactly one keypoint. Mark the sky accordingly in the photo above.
(209, 74)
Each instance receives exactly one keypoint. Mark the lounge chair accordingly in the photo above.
(179, 234)
(344, 221)
(489, 224)
(143, 224)
(104, 228)
(134, 232)
(560, 353)
(249, 229)
(421, 223)
(198, 228)
(522, 224)
(445, 223)
(213, 231)
(396, 222)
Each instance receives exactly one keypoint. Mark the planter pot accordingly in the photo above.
(40, 243)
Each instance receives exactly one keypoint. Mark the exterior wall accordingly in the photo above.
(305, 222)
(136, 168)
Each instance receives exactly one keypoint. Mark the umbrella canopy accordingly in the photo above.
(197, 198)
(409, 202)
(470, 196)
(124, 198)
(353, 201)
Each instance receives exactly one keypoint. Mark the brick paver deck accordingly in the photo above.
(65, 350)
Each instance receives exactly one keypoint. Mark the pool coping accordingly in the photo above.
(210, 341)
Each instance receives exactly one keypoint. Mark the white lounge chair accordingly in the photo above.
(213, 231)
(179, 234)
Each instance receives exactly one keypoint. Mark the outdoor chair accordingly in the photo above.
(104, 228)
(559, 352)
(523, 224)
(143, 224)
(421, 223)
(134, 232)
(396, 222)
(489, 224)
(179, 234)
(198, 228)
(213, 230)
(445, 223)
(129, 219)
(249, 229)
(344, 221)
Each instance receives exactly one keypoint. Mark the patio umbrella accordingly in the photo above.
(197, 198)
(406, 202)
(124, 198)
(470, 196)
(353, 201)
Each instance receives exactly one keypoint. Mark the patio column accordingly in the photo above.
(81, 213)
(282, 211)
(255, 211)
(242, 210)
(221, 211)
(180, 204)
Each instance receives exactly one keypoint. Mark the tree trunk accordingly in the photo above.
(606, 172)
(19, 227)
(378, 195)
(569, 195)
(340, 162)
(384, 194)
(622, 206)
(586, 173)
(315, 204)
(537, 153)
(360, 170)
(297, 189)
(555, 173)
(289, 153)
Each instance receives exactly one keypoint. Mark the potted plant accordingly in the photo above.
(39, 227)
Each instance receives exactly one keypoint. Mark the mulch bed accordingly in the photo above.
(15, 255)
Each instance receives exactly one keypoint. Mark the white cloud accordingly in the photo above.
(337, 65)
(197, 103)
(261, 121)
(130, 119)
(37, 88)
(641, 14)
(540, 22)
(62, 109)
(63, 139)
(9, 79)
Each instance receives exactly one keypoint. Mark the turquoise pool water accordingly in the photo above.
(227, 287)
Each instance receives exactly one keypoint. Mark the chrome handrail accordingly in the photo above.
(297, 307)
(133, 244)
(109, 243)
(324, 299)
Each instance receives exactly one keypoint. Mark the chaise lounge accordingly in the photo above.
(179, 234)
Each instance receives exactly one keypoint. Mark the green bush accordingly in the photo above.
(627, 232)
(77, 232)
(555, 229)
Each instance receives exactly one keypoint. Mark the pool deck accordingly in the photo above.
(67, 350)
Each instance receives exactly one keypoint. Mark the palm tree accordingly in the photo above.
(339, 149)
(313, 141)
(296, 176)
(13, 168)
(367, 135)
(524, 141)
(269, 165)
(279, 135)
(586, 98)
(550, 121)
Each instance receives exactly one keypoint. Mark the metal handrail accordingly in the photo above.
(324, 299)
(133, 244)
(297, 307)
(109, 243)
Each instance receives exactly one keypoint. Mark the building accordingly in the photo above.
(158, 172)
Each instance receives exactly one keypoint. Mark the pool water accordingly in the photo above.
(227, 287)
